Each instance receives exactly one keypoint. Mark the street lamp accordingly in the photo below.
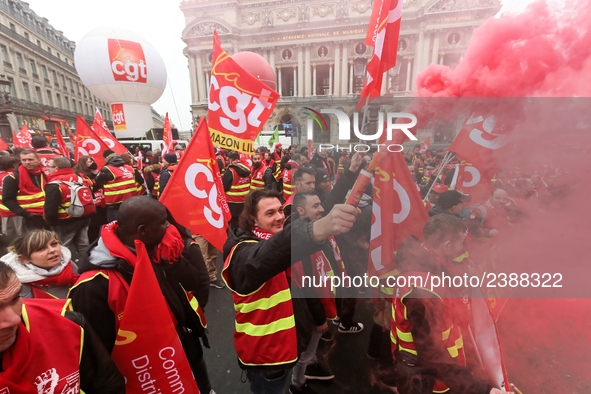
(359, 64)
(394, 72)
(5, 109)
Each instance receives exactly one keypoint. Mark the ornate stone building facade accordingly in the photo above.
(39, 63)
(318, 53)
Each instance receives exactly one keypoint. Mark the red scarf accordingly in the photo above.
(65, 278)
(61, 172)
(16, 362)
(261, 234)
(26, 184)
(170, 248)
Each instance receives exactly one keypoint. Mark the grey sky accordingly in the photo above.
(160, 22)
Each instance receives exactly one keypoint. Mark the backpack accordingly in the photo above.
(81, 199)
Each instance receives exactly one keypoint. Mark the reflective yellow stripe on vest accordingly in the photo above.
(266, 329)
(241, 190)
(264, 303)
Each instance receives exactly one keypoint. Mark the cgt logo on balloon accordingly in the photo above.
(128, 62)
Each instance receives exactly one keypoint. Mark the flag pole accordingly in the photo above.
(447, 158)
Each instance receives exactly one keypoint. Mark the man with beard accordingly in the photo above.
(45, 348)
(291, 167)
(107, 270)
(257, 257)
(23, 191)
(257, 182)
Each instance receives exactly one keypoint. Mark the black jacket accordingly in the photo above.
(98, 372)
(228, 177)
(91, 297)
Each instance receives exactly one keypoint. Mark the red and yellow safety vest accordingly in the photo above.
(257, 182)
(32, 202)
(451, 336)
(4, 211)
(122, 187)
(156, 188)
(265, 333)
(239, 189)
(54, 343)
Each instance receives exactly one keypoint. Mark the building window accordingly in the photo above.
(287, 82)
(5, 58)
(322, 80)
(12, 27)
(58, 100)
(49, 98)
(33, 68)
(44, 73)
(20, 63)
(49, 49)
(54, 77)
(63, 78)
(86, 109)
(74, 105)
(27, 36)
(38, 43)
(78, 88)
(38, 94)
(66, 103)
(26, 91)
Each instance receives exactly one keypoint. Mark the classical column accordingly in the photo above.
(207, 74)
(408, 74)
(272, 58)
(418, 55)
(337, 70)
(385, 80)
(279, 81)
(425, 60)
(351, 72)
(300, 72)
(314, 79)
(193, 78)
(441, 56)
(296, 81)
(307, 73)
(201, 87)
(344, 67)
(435, 56)
(330, 66)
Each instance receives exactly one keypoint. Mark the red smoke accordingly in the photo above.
(541, 52)
(544, 51)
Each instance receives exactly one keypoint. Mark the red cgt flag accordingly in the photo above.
(398, 212)
(479, 141)
(23, 138)
(61, 145)
(195, 195)
(88, 143)
(100, 128)
(474, 181)
(147, 346)
(425, 146)
(167, 137)
(239, 103)
(386, 26)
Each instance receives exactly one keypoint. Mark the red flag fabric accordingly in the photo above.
(239, 103)
(23, 138)
(88, 143)
(398, 212)
(195, 194)
(61, 145)
(167, 137)
(100, 128)
(148, 348)
(386, 48)
(479, 140)
(474, 181)
(378, 17)
(426, 145)
(3, 144)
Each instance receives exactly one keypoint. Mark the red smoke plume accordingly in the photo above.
(544, 51)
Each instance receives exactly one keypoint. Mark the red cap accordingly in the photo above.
(439, 188)
(278, 145)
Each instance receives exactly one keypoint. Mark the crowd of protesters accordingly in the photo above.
(288, 221)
